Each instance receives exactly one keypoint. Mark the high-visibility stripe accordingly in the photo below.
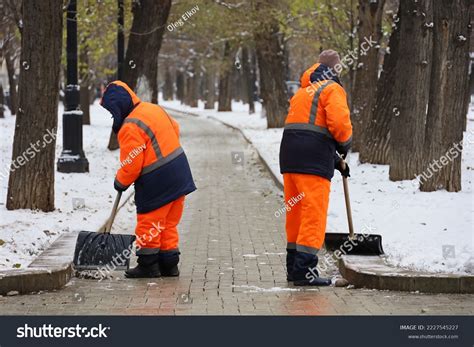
(291, 245)
(307, 249)
(310, 127)
(162, 161)
(314, 104)
(150, 134)
(147, 251)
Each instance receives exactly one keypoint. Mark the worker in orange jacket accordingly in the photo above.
(317, 126)
(151, 158)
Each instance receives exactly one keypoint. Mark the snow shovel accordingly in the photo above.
(356, 244)
(103, 250)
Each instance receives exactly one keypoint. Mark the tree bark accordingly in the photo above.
(366, 74)
(225, 96)
(248, 70)
(447, 108)
(271, 64)
(180, 85)
(407, 133)
(2, 102)
(191, 96)
(144, 43)
(31, 181)
(168, 86)
(376, 146)
(210, 90)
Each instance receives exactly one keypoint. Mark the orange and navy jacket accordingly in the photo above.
(151, 155)
(318, 124)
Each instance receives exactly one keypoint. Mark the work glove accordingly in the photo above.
(343, 168)
(119, 187)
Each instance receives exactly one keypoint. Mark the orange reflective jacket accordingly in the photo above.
(151, 155)
(318, 124)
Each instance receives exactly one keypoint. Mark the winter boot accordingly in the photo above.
(147, 267)
(168, 261)
(290, 261)
(305, 271)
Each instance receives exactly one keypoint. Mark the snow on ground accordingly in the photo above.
(421, 231)
(24, 233)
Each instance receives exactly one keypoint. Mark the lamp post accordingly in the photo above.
(72, 158)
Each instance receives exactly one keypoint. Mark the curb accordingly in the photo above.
(51, 270)
(372, 272)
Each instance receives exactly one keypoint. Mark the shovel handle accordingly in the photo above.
(108, 227)
(348, 202)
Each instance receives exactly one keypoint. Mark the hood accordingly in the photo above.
(305, 77)
(317, 72)
(119, 100)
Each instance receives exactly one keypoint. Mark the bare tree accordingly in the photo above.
(366, 74)
(376, 146)
(225, 96)
(407, 133)
(271, 64)
(31, 181)
(144, 43)
(447, 107)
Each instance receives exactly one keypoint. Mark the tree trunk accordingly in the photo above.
(407, 132)
(447, 108)
(271, 64)
(180, 85)
(248, 71)
(376, 146)
(31, 181)
(225, 74)
(191, 96)
(10, 64)
(2, 102)
(168, 86)
(144, 43)
(210, 90)
(366, 74)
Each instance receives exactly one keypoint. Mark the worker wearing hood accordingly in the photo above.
(151, 158)
(317, 126)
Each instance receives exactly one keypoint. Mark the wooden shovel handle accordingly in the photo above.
(113, 213)
(348, 202)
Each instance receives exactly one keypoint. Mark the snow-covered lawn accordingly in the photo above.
(24, 233)
(422, 231)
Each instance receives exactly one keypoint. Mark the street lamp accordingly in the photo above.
(72, 158)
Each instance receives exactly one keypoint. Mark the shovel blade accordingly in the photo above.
(102, 250)
(360, 244)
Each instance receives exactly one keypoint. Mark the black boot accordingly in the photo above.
(290, 261)
(147, 267)
(305, 271)
(168, 261)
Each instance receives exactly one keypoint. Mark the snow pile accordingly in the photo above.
(82, 202)
(421, 231)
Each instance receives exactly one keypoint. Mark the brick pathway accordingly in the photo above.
(232, 253)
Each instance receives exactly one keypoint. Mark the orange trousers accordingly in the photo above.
(157, 230)
(307, 200)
